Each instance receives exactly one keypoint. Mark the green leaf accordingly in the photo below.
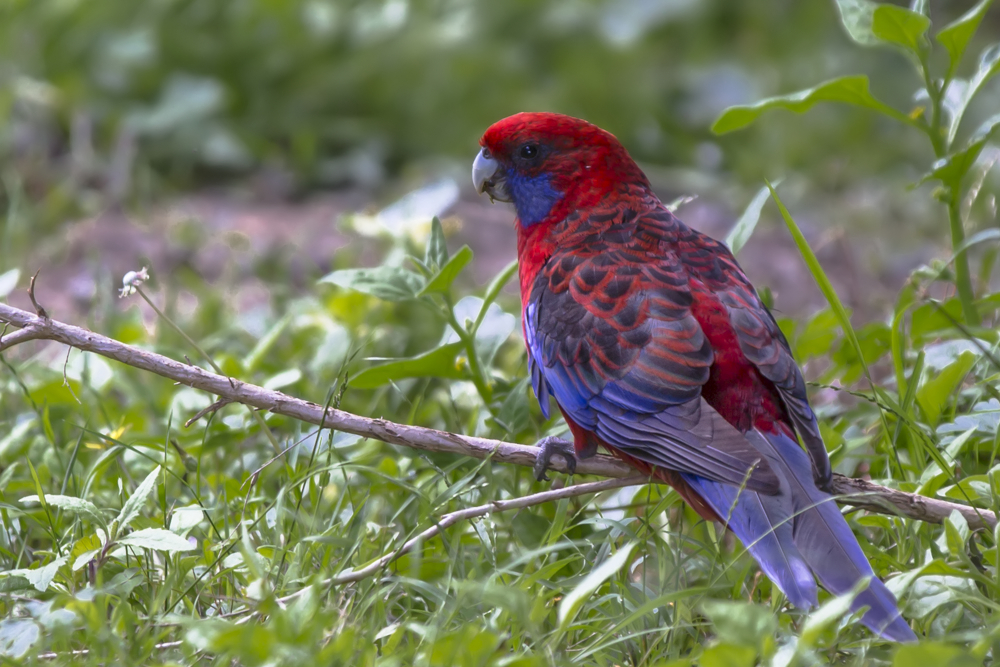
(740, 623)
(439, 362)
(847, 89)
(989, 65)
(829, 613)
(157, 539)
(727, 655)
(900, 26)
(389, 283)
(952, 169)
(744, 227)
(442, 280)
(70, 504)
(8, 281)
(436, 254)
(933, 396)
(17, 636)
(132, 506)
(493, 291)
(570, 605)
(39, 577)
(857, 16)
(934, 654)
(264, 345)
(956, 35)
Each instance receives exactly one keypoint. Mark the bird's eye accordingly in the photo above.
(487, 154)
(529, 151)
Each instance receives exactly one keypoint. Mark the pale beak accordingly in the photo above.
(488, 177)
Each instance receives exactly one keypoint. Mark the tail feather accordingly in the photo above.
(800, 533)
(759, 523)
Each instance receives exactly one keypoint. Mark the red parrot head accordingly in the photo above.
(549, 164)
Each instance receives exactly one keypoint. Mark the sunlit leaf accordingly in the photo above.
(132, 506)
(442, 280)
(900, 26)
(157, 539)
(570, 605)
(849, 90)
(390, 283)
(436, 254)
(934, 395)
(440, 362)
(8, 281)
(70, 504)
(951, 170)
(956, 35)
(857, 16)
(744, 227)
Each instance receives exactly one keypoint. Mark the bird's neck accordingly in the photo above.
(534, 247)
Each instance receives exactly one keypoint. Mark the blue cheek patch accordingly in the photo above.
(533, 196)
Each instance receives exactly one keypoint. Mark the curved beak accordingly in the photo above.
(487, 176)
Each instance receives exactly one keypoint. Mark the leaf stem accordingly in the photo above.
(953, 197)
(469, 341)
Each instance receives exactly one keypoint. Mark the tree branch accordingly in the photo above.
(855, 492)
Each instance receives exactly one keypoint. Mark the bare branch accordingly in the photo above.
(850, 491)
(21, 336)
(467, 513)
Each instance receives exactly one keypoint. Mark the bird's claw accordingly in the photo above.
(549, 446)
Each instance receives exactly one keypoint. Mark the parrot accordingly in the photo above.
(654, 345)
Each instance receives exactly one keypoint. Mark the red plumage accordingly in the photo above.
(655, 345)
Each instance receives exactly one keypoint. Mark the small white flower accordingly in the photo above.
(132, 280)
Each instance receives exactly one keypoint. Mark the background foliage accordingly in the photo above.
(145, 542)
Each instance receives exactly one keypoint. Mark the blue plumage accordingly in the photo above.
(533, 196)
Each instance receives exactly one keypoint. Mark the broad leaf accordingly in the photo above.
(956, 35)
(900, 26)
(847, 89)
(570, 605)
(157, 539)
(439, 362)
(70, 504)
(40, 577)
(8, 281)
(857, 16)
(934, 395)
(442, 280)
(436, 254)
(952, 169)
(744, 227)
(740, 623)
(390, 283)
(989, 66)
(133, 505)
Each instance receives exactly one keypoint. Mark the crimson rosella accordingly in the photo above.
(655, 345)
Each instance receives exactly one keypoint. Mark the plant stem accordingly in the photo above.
(963, 279)
(469, 341)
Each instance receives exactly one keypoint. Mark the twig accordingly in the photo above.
(86, 651)
(452, 518)
(214, 407)
(31, 295)
(872, 497)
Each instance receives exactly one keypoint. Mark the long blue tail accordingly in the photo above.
(800, 533)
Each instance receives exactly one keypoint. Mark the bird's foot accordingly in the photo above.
(550, 446)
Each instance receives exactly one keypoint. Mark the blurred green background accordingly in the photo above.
(244, 149)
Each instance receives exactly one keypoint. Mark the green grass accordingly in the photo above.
(128, 538)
